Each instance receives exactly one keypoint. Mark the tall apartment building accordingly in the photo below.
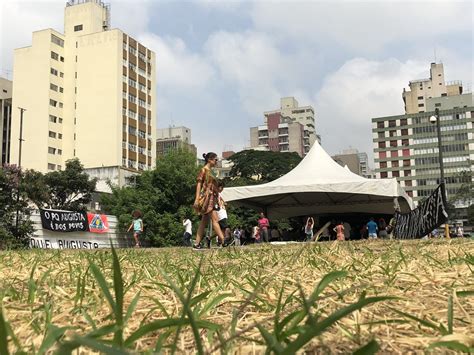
(421, 90)
(406, 146)
(173, 138)
(289, 129)
(5, 119)
(89, 93)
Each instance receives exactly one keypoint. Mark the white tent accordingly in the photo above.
(319, 185)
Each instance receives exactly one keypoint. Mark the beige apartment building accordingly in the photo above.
(5, 119)
(421, 90)
(288, 129)
(89, 93)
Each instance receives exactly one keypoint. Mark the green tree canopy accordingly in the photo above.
(164, 196)
(10, 235)
(68, 189)
(257, 167)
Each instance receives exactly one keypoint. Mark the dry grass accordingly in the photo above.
(240, 297)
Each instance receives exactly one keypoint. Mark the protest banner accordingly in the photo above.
(64, 221)
(429, 215)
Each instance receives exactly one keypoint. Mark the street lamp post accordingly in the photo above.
(436, 119)
(19, 169)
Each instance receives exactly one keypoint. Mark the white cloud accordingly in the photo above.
(360, 90)
(177, 67)
(362, 26)
(256, 67)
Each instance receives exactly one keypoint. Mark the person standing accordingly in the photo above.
(460, 231)
(372, 229)
(263, 225)
(188, 232)
(237, 235)
(137, 225)
(207, 196)
(308, 229)
(382, 228)
(339, 229)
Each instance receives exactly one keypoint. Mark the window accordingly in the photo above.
(403, 122)
(60, 152)
(395, 164)
(60, 120)
(141, 103)
(61, 89)
(52, 134)
(404, 132)
(392, 133)
(57, 40)
(54, 56)
(421, 105)
(383, 174)
(395, 174)
(51, 150)
(62, 60)
(53, 102)
(51, 166)
(420, 97)
(406, 152)
(381, 144)
(393, 143)
(408, 182)
(438, 104)
(53, 87)
(382, 155)
(444, 94)
(406, 162)
(61, 74)
(52, 118)
(60, 105)
(60, 136)
(406, 172)
(383, 164)
(405, 142)
(77, 28)
(392, 123)
(54, 71)
(394, 153)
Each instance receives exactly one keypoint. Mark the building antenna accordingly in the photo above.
(434, 49)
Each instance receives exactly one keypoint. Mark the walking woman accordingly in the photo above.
(207, 199)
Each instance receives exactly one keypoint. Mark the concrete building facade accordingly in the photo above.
(296, 134)
(173, 138)
(415, 99)
(5, 119)
(89, 93)
(357, 162)
(406, 147)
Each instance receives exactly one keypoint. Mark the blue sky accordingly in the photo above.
(220, 64)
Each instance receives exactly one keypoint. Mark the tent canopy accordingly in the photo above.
(319, 185)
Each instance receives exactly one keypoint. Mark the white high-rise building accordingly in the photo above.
(89, 93)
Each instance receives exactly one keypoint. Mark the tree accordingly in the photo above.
(68, 189)
(256, 167)
(164, 196)
(470, 215)
(12, 235)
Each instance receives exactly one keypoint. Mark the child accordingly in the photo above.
(237, 235)
(222, 214)
(137, 225)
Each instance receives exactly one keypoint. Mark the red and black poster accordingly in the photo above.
(98, 223)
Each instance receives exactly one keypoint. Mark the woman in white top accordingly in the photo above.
(188, 232)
